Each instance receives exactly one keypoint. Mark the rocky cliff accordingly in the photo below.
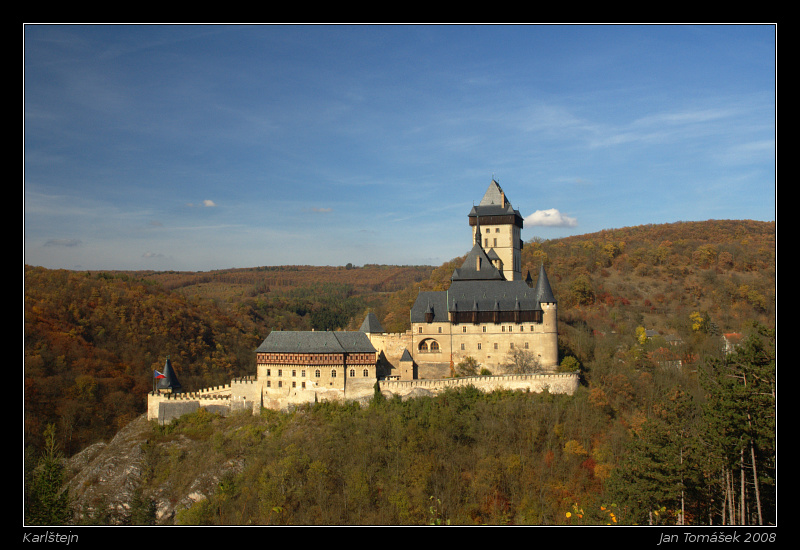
(104, 478)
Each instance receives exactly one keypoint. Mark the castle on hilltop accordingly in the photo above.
(489, 315)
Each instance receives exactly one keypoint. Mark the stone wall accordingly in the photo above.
(565, 383)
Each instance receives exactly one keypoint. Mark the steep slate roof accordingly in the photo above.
(170, 380)
(436, 301)
(371, 324)
(491, 296)
(469, 269)
(543, 291)
(494, 203)
(315, 342)
(477, 294)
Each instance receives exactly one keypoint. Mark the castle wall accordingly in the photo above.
(166, 407)
(564, 383)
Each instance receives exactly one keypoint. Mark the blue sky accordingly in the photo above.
(211, 147)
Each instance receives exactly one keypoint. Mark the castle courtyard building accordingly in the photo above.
(314, 360)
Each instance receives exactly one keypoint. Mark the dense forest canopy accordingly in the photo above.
(642, 314)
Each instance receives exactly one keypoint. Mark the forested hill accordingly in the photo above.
(664, 429)
(93, 339)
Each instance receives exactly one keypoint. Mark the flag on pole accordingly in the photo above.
(158, 375)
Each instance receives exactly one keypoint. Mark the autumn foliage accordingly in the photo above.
(642, 313)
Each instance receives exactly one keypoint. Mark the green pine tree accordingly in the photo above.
(47, 500)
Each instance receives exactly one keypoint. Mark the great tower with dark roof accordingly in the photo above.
(497, 226)
(489, 311)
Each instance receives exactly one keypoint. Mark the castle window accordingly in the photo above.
(280, 372)
(333, 373)
(419, 330)
(526, 345)
(294, 384)
(303, 373)
(294, 373)
(316, 373)
(495, 345)
(269, 372)
(463, 329)
(484, 329)
(366, 373)
(440, 330)
(269, 383)
(511, 345)
(462, 347)
(280, 384)
(479, 345)
(428, 345)
(352, 373)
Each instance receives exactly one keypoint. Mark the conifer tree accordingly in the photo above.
(47, 500)
(740, 428)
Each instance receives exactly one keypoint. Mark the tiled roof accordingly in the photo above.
(543, 291)
(315, 342)
(491, 296)
(494, 203)
(482, 295)
(469, 268)
(371, 324)
(170, 380)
